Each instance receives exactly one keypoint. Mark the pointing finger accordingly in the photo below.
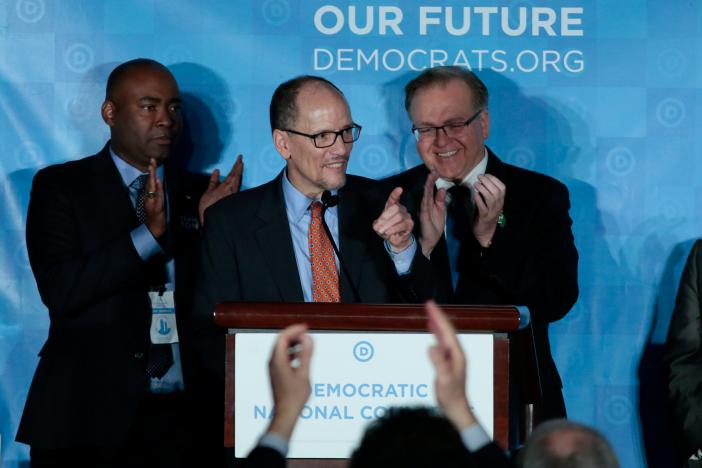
(394, 197)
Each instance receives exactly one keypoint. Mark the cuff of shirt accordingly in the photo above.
(273, 441)
(474, 437)
(402, 260)
(144, 243)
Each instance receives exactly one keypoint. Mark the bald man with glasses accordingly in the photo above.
(272, 243)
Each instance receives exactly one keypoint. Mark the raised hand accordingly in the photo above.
(290, 378)
(432, 215)
(154, 207)
(450, 365)
(395, 223)
(216, 190)
(489, 197)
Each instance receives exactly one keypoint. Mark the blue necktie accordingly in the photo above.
(139, 184)
(160, 357)
(459, 225)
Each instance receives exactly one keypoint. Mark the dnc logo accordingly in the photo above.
(363, 351)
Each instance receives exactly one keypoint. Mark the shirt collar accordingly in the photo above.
(297, 203)
(128, 172)
(469, 179)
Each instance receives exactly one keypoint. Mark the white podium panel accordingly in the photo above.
(355, 378)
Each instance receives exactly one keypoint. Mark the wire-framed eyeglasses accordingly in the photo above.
(328, 138)
(450, 129)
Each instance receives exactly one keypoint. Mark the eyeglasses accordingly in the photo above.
(450, 130)
(328, 138)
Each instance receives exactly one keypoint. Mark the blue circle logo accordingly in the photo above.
(30, 11)
(620, 161)
(618, 409)
(672, 62)
(79, 57)
(276, 12)
(363, 351)
(523, 157)
(374, 159)
(670, 112)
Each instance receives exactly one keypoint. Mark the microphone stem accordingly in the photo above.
(356, 296)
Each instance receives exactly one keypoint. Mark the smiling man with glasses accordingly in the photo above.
(494, 233)
(272, 243)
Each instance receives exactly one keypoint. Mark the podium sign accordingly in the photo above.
(355, 377)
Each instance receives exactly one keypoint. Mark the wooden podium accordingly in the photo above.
(496, 320)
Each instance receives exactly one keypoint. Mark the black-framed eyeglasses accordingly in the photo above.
(328, 138)
(450, 129)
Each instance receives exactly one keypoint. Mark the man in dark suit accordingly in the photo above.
(683, 361)
(102, 232)
(507, 238)
(267, 257)
(269, 243)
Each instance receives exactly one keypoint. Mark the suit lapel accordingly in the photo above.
(416, 192)
(275, 243)
(110, 195)
(353, 238)
(495, 167)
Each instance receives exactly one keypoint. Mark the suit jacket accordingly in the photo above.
(683, 357)
(532, 261)
(490, 455)
(247, 255)
(264, 457)
(91, 372)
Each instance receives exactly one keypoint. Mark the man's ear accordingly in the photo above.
(282, 144)
(485, 122)
(108, 112)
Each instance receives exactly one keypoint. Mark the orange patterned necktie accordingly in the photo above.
(325, 278)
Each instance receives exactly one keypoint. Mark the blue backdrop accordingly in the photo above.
(602, 95)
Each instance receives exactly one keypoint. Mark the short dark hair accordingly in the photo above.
(121, 71)
(417, 437)
(560, 443)
(283, 109)
(442, 75)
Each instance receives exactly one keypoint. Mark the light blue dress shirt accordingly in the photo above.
(146, 246)
(297, 207)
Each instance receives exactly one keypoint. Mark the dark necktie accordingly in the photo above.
(459, 225)
(160, 357)
(461, 209)
(139, 184)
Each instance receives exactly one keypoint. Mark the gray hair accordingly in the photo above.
(442, 75)
(560, 443)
